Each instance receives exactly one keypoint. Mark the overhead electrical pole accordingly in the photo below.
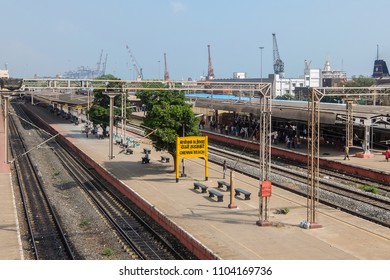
(265, 183)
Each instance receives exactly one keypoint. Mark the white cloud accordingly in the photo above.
(178, 7)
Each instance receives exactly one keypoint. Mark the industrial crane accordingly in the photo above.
(99, 63)
(104, 65)
(101, 66)
(278, 63)
(137, 69)
(166, 73)
(210, 72)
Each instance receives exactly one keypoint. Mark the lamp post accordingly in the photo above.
(111, 148)
(88, 103)
(183, 174)
(261, 64)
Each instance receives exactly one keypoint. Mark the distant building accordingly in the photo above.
(239, 75)
(333, 78)
(380, 69)
(283, 86)
(381, 72)
(297, 87)
(4, 73)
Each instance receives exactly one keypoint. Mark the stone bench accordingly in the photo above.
(214, 192)
(198, 185)
(244, 192)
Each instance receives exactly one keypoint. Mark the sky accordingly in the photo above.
(48, 38)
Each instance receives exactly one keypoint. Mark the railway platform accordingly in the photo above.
(10, 244)
(228, 233)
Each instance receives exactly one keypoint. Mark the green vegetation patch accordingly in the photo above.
(85, 222)
(107, 251)
(371, 189)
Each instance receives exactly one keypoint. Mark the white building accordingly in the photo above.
(282, 86)
(312, 78)
(239, 75)
(4, 73)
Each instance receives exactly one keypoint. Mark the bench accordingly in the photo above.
(129, 151)
(164, 159)
(221, 184)
(244, 192)
(147, 151)
(145, 160)
(216, 193)
(198, 185)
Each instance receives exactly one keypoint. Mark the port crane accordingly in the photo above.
(210, 70)
(166, 73)
(100, 66)
(136, 66)
(278, 63)
(104, 65)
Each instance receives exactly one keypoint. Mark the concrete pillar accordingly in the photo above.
(366, 142)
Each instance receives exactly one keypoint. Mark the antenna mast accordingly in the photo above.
(377, 52)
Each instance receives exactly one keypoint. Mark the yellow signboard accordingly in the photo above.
(192, 147)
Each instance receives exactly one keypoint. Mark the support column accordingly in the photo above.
(367, 137)
(349, 124)
(366, 153)
(111, 95)
(231, 204)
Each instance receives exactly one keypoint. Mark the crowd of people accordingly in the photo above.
(95, 129)
(247, 127)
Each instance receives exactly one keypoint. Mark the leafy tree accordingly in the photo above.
(360, 81)
(286, 96)
(168, 117)
(100, 109)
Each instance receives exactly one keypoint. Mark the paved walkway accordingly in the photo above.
(233, 233)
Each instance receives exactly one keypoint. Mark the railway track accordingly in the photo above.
(296, 181)
(141, 239)
(145, 242)
(347, 189)
(48, 240)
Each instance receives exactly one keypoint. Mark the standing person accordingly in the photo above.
(224, 166)
(346, 152)
(387, 154)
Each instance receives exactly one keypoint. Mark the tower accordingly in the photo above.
(380, 66)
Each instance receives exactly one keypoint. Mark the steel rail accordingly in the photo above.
(50, 222)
